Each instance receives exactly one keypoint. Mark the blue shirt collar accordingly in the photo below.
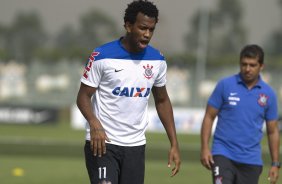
(131, 53)
(239, 79)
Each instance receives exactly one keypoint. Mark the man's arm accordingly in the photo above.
(97, 133)
(206, 156)
(164, 110)
(273, 143)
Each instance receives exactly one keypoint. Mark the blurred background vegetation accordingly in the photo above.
(26, 39)
(47, 66)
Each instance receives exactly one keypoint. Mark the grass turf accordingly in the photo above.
(53, 154)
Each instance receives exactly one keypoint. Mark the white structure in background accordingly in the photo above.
(47, 82)
(77, 119)
(186, 120)
(177, 85)
(206, 87)
(12, 80)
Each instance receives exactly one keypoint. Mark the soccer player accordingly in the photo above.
(113, 97)
(242, 103)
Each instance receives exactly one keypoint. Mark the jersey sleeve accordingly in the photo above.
(216, 98)
(93, 71)
(161, 78)
(272, 109)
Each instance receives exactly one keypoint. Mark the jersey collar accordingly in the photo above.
(239, 79)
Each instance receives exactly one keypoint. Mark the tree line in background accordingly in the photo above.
(226, 34)
(25, 39)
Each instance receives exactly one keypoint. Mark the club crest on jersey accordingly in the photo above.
(262, 100)
(148, 71)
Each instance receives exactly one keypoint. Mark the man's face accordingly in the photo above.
(141, 32)
(250, 69)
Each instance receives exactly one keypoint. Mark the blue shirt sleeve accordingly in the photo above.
(272, 109)
(216, 98)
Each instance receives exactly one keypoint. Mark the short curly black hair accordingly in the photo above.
(142, 6)
(253, 51)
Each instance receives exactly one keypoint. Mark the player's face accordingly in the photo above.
(141, 32)
(250, 69)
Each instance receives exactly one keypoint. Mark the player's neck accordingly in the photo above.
(129, 45)
(251, 84)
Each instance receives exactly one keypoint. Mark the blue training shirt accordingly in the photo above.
(242, 112)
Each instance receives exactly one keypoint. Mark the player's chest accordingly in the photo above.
(132, 72)
(246, 100)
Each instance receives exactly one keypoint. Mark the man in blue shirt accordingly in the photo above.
(242, 103)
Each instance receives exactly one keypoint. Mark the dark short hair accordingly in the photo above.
(142, 6)
(253, 51)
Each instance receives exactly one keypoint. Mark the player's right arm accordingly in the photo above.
(206, 156)
(97, 132)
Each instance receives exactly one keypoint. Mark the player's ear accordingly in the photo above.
(261, 67)
(128, 27)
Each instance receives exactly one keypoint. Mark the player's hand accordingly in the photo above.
(174, 156)
(206, 158)
(98, 138)
(273, 175)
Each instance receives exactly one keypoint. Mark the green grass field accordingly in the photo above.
(53, 154)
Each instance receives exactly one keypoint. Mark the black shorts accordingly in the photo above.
(226, 171)
(120, 165)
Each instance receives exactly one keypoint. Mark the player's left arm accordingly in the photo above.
(273, 143)
(165, 113)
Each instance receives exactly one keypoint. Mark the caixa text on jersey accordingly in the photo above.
(131, 91)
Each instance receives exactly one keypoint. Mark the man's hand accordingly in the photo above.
(98, 138)
(206, 158)
(174, 156)
(273, 175)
